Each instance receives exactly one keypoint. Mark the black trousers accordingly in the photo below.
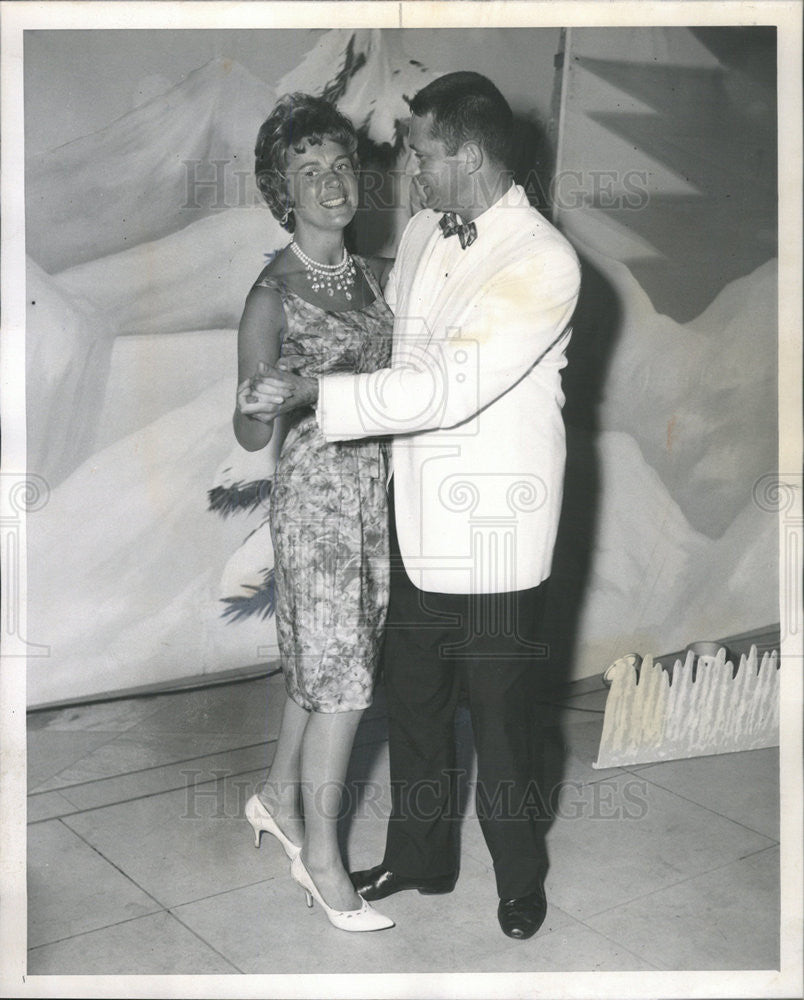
(487, 645)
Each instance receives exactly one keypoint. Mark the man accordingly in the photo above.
(482, 297)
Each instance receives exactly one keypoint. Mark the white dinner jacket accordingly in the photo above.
(473, 398)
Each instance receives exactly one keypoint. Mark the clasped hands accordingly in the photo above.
(275, 390)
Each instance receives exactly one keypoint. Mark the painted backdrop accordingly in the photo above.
(144, 234)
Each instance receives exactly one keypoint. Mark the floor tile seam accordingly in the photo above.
(700, 805)
(168, 911)
(412, 943)
(99, 852)
(223, 892)
(50, 819)
(514, 948)
(656, 765)
(145, 770)
(759, 850)
(577, 922)
(138, 798)
(162, 906)
(670, 885)
(99, 746)
(621, 944)
(95, 930)
(469, 814)
(595, 778)
(203, 941)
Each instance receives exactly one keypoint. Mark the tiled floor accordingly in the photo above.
(140, 861)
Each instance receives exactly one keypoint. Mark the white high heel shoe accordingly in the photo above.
(364, 919)
(261, 819)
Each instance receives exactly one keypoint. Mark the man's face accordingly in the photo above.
(435, 173)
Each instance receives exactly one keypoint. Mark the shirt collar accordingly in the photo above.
(514, 197)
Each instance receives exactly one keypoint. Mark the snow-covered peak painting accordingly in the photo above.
(369, 78)
(167, 163)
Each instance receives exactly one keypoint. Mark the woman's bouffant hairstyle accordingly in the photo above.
(297, 121)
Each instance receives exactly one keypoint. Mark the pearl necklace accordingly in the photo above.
(328, 277)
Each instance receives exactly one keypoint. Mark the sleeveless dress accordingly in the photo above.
(329, 516)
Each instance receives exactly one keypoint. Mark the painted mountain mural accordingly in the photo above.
(133, 336)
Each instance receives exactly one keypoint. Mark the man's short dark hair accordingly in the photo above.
(467, 106)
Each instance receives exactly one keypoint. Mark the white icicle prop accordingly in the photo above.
(649, 718)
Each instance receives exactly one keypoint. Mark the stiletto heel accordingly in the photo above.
(260, 819)
(364, 919)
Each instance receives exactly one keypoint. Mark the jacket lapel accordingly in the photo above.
(495, 250)
(500, 243)
(414, 263)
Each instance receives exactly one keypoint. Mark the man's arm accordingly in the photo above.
(504, 333)
(282, 389)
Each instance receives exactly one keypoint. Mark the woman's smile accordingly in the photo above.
(334, 202)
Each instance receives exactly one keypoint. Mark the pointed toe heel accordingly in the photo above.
(261, 820)
(366, 918)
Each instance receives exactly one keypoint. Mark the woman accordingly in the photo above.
(328, 501)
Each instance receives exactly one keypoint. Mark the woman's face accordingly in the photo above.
(323, 185)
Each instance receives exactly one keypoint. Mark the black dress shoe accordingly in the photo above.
(522, 917)
(378, 882)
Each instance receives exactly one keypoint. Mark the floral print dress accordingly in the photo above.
(329, 517)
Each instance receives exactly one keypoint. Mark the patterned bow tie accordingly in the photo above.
(467, 232)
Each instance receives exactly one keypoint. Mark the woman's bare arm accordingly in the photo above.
(258, 341)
